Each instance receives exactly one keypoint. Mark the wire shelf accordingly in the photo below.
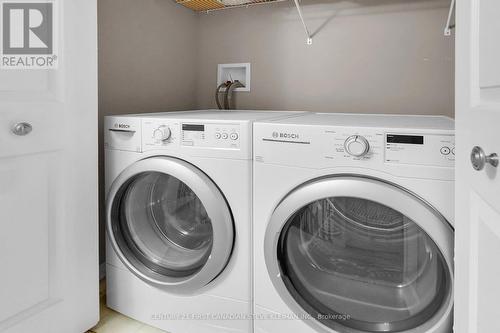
(211, 5)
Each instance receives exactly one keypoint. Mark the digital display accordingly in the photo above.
(193, 127)
(405, 139)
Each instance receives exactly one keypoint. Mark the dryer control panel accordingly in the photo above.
(396, 147)
(339, 146)
(420, 149)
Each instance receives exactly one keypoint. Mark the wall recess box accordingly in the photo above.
(231, 72)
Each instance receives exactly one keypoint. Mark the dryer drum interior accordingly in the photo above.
(356, 263)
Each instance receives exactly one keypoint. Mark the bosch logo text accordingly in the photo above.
(280, 135)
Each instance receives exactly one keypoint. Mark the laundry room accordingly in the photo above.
(370, 57)
(208, 166)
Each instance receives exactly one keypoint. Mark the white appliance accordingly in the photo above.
(179, 227)
(353, 224)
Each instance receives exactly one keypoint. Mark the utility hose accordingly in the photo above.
(217, 94)
(229, 92)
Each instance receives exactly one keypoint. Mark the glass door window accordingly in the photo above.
(165, 225)
(357, 263)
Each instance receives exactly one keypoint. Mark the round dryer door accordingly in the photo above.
(362, 255)
(169, 224)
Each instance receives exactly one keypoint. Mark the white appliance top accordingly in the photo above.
(203, 133)
(412, 146)
(371, 120)
(225, 115)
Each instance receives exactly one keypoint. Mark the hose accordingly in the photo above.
(217, 94)
(229, 91)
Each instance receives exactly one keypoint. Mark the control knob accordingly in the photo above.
(357, 145)
(162, 133)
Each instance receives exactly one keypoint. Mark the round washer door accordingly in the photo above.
(357, 254)
(169, 224)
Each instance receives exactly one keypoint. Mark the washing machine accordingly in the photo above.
(178, 215)
(353, 222)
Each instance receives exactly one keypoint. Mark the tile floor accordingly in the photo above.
(113, 322)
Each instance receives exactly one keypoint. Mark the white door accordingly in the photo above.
(477, 253)
(48, 185)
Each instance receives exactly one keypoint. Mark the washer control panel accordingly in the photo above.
(210, 135)
(168, 133)
(420, 149)
(159, 134)
(162, 133)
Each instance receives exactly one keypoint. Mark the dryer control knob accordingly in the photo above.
(357, 146)
(162, 133)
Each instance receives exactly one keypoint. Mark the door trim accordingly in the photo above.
(212, 199)
(374, 189)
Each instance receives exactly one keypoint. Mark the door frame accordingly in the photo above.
(212, 199)
(370, 188)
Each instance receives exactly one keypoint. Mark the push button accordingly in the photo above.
(234, 136)
(224, 136)
(217, 135)
(445, 150)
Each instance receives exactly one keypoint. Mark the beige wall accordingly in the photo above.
(386, 56)
(383, 56)
(147, 56)
(147, 60)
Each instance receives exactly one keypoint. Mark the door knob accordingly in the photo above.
(479, 159)
(22, 129)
